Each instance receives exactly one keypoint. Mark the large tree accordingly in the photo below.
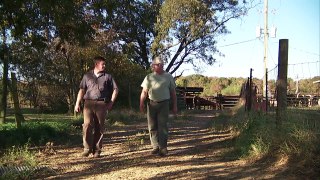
(36, 23)
(183, 31)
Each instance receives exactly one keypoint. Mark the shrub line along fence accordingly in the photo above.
(189, 98)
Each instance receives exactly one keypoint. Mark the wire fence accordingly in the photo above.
(305, 70)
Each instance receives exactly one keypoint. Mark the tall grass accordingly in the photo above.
(258, 136)
(16, 159)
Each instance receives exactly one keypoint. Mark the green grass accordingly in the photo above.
(38, 130)
(258, 135)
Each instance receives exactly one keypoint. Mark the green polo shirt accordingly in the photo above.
(159, 86)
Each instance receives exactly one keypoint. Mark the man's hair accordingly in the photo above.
(98, 58)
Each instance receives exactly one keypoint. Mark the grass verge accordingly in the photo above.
(258, 137)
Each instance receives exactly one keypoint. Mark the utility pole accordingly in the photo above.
(266, 34)
(265, 58)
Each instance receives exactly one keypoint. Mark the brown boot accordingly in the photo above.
(85, 153)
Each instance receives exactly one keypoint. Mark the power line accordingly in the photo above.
(300, 50)
(241, 42)
(304, 63)
(273, 68)
(307, 52)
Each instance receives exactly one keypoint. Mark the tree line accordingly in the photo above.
(50, 44)
(232, 85)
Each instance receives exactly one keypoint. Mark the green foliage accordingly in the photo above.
(52, 43)
(53, 87)
(231, 90)
(187, 30)
(180, 30)
(40, 21)
(212, 85)
(232, 85)
(129, 77)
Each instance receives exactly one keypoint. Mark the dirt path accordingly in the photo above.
(195, 152)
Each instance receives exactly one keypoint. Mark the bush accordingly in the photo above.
(36, 133)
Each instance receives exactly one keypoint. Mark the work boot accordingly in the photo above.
(96, 154)
(163, 152)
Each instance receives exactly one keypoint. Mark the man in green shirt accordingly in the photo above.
(159, 87)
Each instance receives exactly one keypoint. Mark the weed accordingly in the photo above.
(19, 156)
(20, 163)
(137, 141)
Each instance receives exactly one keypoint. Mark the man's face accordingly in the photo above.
(100, 66)
(157, 66)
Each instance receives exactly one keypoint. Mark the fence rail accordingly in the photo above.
(208, 102)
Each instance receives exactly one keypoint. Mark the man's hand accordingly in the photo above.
(109, 105)
(77, 108)
(142, 107)
(80, 95)
(175, 110)
(143, 97)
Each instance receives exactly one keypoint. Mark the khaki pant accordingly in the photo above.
(158, 115)
(94, 115)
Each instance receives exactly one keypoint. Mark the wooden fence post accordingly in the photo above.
(282, 81)
(250, 91)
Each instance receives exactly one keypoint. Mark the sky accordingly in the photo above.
(295, 20)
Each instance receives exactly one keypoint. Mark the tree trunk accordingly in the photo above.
(4, 57)
(71, 85)
(17, 111)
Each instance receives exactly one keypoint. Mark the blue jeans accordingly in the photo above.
(158, 115)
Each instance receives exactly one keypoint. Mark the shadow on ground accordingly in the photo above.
(195, 152)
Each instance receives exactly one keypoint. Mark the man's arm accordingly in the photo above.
(79, 98)
(143, 96)
(114, 95)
